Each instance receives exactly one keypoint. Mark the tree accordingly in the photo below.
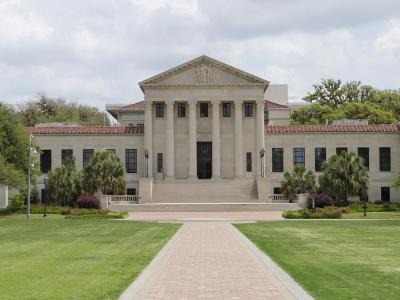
(10, 175)
(388, 100)
(65, 183)
(344, 175)
(333, 92)
(48, 110)
(396, 181)
(321, 114)
(104, 172)
(298, 182)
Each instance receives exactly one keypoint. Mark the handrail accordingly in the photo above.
(121, 199)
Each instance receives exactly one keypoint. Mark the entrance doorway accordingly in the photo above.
(204, 160)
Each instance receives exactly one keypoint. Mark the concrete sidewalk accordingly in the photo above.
(211, 260)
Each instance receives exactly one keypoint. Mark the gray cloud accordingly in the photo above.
(95, 52)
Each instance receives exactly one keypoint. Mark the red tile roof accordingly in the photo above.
(139, 106)
(293, 129)
(86, 130)
(274, 105)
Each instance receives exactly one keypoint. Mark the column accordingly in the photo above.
(239, 138)
(216, 140)
(170, 141)
(260, 138)
(148, 134)
(192, 147)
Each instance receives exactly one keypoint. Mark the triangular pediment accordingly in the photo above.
(203, 71)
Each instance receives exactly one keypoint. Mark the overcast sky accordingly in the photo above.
(96, 51)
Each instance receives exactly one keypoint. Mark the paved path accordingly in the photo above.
(208, 260)
(231, 215)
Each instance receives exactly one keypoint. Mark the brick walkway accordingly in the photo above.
(208, 260)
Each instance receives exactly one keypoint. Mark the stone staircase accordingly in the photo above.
(205, 191)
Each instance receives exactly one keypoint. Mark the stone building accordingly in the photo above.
(203, 124)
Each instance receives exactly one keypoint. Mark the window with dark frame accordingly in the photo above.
(277, 190)
(320, 157)
(363, 152)
(131, 192)
(87, 155)
(299, 157)
(384, 159)
(181, 110)
(45, 161)
(204, 110)
(131, 160)
(248, 162)
(66, 154)
(248, 109)
(226, 110)
(159, 162)
(385, 194)
(160, 110)
(277, 159)
(340, 150)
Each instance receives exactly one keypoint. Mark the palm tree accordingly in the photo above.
(300, 181)
(65, 183)
(344, 175)
(104, 171)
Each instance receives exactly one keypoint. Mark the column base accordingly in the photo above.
(194, 178)
(169, 178)
(216, 178)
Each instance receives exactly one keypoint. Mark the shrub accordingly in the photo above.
(5, 211)
(320, 199)
(16, 202)
(88, 201)
(320, 213)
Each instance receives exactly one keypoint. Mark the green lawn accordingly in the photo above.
(372, 215)
(58, 258)
(335, 259)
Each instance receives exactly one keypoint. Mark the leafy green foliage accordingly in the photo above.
(65, 184)
(14, 143)
(16, 202)
(105, 171)
(48, 110)
(320, 114)
(396, 181)
(320, 213)
(298, 182)
(343, 175)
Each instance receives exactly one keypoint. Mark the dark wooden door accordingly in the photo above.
(204, 160)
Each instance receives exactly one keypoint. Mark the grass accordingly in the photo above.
(372, 215)
(334, 259)
(57, 258)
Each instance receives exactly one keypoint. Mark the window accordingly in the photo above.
(45, 161)
(340, 150)
(204, 110)
(385, 194)
(384, 159)
(320, 157)
(248, 162)
(277, 159)
(159, 162)
(160, 110)
(130, 160)
(363, 152)
(66, 154)
(87, 155)
(111, 150)
(181, 110)
(248, 109)
(226, 110)
(277, 190)
(131, 192)
(299, 157)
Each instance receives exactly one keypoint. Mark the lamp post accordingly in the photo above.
(146, 166)
(32, 150)
(365, 195)
(46, 196)
(262, 153)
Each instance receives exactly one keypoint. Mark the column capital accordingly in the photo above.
(169, 102)
(260, 102)
(238, 101)
(216, 101)
(192, 102)
(148, 104)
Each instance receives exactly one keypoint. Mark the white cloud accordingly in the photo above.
(389, 42)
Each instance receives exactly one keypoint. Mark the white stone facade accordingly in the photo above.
(219, 110)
